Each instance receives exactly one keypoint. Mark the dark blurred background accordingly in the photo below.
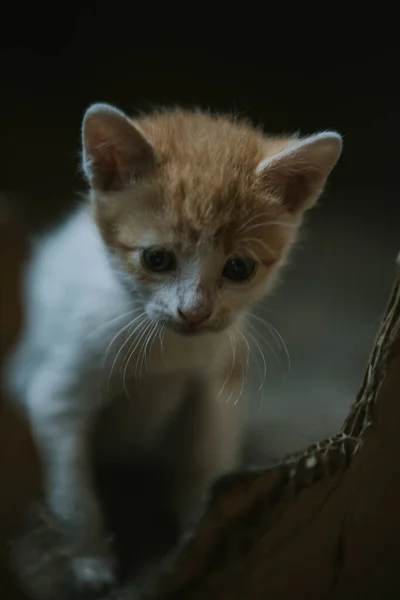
(334, 292)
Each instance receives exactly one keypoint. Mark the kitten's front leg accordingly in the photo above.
(203, 444)
(61, 417)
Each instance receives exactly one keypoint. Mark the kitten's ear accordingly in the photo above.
(297, 175)
(114, 150)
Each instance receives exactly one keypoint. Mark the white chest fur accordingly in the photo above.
(144, 390)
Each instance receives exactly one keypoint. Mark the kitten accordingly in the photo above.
(136, 306)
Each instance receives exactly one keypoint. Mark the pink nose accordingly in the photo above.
(194, 317)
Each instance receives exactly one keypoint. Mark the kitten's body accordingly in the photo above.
(66, 342)
(209, 191)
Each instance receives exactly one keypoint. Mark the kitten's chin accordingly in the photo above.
(186, 330)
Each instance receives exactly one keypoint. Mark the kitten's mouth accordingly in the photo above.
(187, 329)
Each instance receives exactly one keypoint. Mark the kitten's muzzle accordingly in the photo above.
(194, 317)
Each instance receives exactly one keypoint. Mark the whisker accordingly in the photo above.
(129, 354)
(105, 356)
(277, 336)
(247, 346)
(269, 329)
(123, 346)
(145, 341)
(161, 334)
(142, 352)
(266, 223)
(262, 357)
(140, 342)
(263, 244)
(250, 253)
(229, 397)
(250, 220)
(149, 337)
(260, 372)
(229, 371)
(242, 385)
(261, 405)
(108, 323)
(280, 338)
(271, 349)
(156, 331)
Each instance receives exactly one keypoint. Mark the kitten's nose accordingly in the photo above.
(194, 317)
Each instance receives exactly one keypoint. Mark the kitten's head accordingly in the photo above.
(199, 211)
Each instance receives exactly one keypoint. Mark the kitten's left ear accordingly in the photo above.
(297, 175)
(114, 150)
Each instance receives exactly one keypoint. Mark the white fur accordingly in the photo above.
(72, 293)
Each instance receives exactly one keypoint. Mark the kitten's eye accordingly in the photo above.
(239, 269)
(158, 260)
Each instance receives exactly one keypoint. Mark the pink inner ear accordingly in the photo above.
(115, 151)
(295, 183)
(115, 161)
(107, 162)
(298, 190)
(297, 176)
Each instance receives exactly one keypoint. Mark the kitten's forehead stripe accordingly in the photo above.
(208, 166)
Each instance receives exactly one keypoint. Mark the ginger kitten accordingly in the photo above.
(136, 306)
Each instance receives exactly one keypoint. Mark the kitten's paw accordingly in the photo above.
(93, 573)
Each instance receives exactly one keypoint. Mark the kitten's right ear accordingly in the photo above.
(114, 150)
(297, 175)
